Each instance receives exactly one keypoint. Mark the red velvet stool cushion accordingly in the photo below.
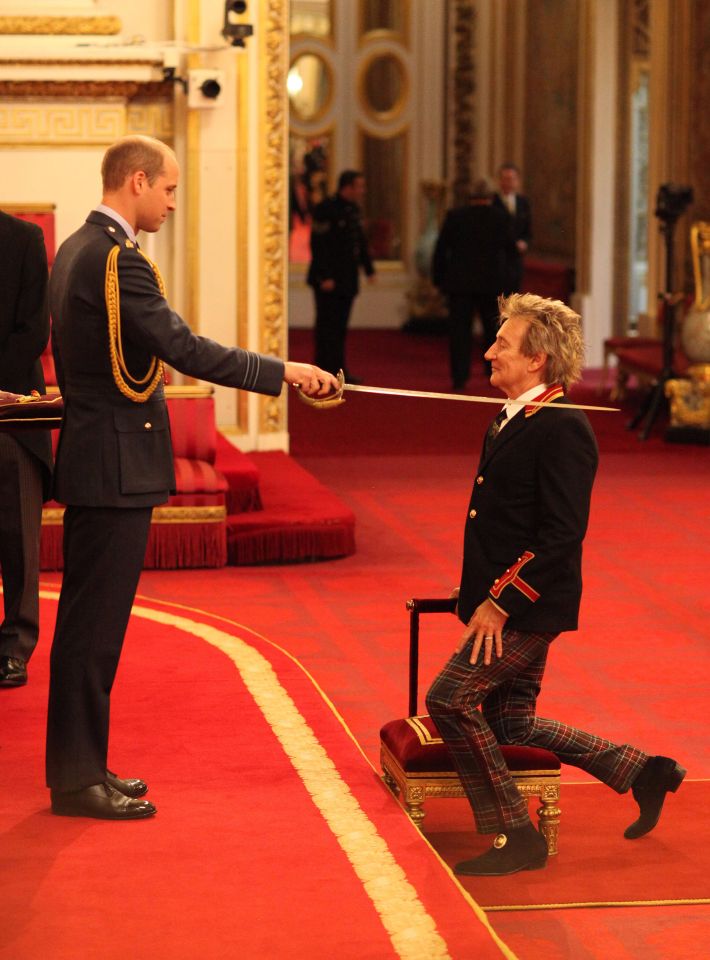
(417, 746)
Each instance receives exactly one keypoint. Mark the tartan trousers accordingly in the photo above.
(506, 691)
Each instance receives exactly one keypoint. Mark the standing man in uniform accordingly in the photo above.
(25, 455)
(112, 330)
(517, 207)
(338, 252)
(521, 585)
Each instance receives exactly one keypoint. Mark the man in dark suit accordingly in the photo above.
(338, 253)
(25, 455)
(112, 330)
(521, 585)
(469, 266)
(517, 209)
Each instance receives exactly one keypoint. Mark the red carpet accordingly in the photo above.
(273, 838)
(661, 868)
(636, 670)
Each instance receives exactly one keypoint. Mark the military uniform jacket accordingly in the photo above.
(338, 246)
(113, 451)
(24, 324)
(527, 519)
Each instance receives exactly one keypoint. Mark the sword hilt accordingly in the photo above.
(333, 399)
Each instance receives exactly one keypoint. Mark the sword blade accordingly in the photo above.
(466, 398)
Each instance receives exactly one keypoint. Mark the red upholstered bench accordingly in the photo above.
(416, 764)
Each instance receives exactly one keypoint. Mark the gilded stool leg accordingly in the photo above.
(414, 802)
(390, 781)
(549, 816)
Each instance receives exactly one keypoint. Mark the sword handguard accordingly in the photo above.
(333, 399)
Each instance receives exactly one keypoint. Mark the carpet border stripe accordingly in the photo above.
(512, 907)
(411, 929)
(477, 909)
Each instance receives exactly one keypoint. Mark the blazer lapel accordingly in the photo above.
(508, 433)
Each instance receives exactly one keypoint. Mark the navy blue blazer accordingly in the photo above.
(527, 518)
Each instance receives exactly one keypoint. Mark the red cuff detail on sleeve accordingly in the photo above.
(512, 577)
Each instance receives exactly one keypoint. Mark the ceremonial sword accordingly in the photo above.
(336, 398)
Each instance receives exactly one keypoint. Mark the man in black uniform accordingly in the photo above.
(112, 330)
(25, 455)
(517, 209)
(338, 251)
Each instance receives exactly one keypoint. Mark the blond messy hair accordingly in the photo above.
(553, 329)
(129, 155)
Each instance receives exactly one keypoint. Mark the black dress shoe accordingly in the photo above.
(521, 848)
(102, 802)
(658, 776)
(13, 672)
(129, 788)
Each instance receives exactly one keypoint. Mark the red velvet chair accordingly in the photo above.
(191, 529)
(416, 764)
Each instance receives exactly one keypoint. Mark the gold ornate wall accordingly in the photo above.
(551, 131)
(273, 59)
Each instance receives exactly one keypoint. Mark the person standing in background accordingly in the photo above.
(517, 207)
(469, 266)
(25, 455)
(338, 253)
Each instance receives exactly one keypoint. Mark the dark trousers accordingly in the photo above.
(507, 691)
(20, 525)
(462, 308)
(332, 315)
(104, 550)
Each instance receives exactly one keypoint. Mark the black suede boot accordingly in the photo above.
(521, 848)
(658, 776)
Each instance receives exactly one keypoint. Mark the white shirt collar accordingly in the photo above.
(121, 221)
(513, 406)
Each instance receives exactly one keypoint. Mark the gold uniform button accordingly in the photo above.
(148, 425)
(479, 480)
(497, 580)
(472, 514)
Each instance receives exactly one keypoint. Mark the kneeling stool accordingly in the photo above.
(416, 762)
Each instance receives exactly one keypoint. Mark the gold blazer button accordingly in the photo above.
(479, 480)
(472, 514)
(148, 425)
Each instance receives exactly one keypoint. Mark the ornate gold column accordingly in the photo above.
(273, 59)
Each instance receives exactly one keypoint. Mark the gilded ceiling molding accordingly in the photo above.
(87, 89)
(463, 89)
(60, 26)
(274, 155)
(41, 124)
